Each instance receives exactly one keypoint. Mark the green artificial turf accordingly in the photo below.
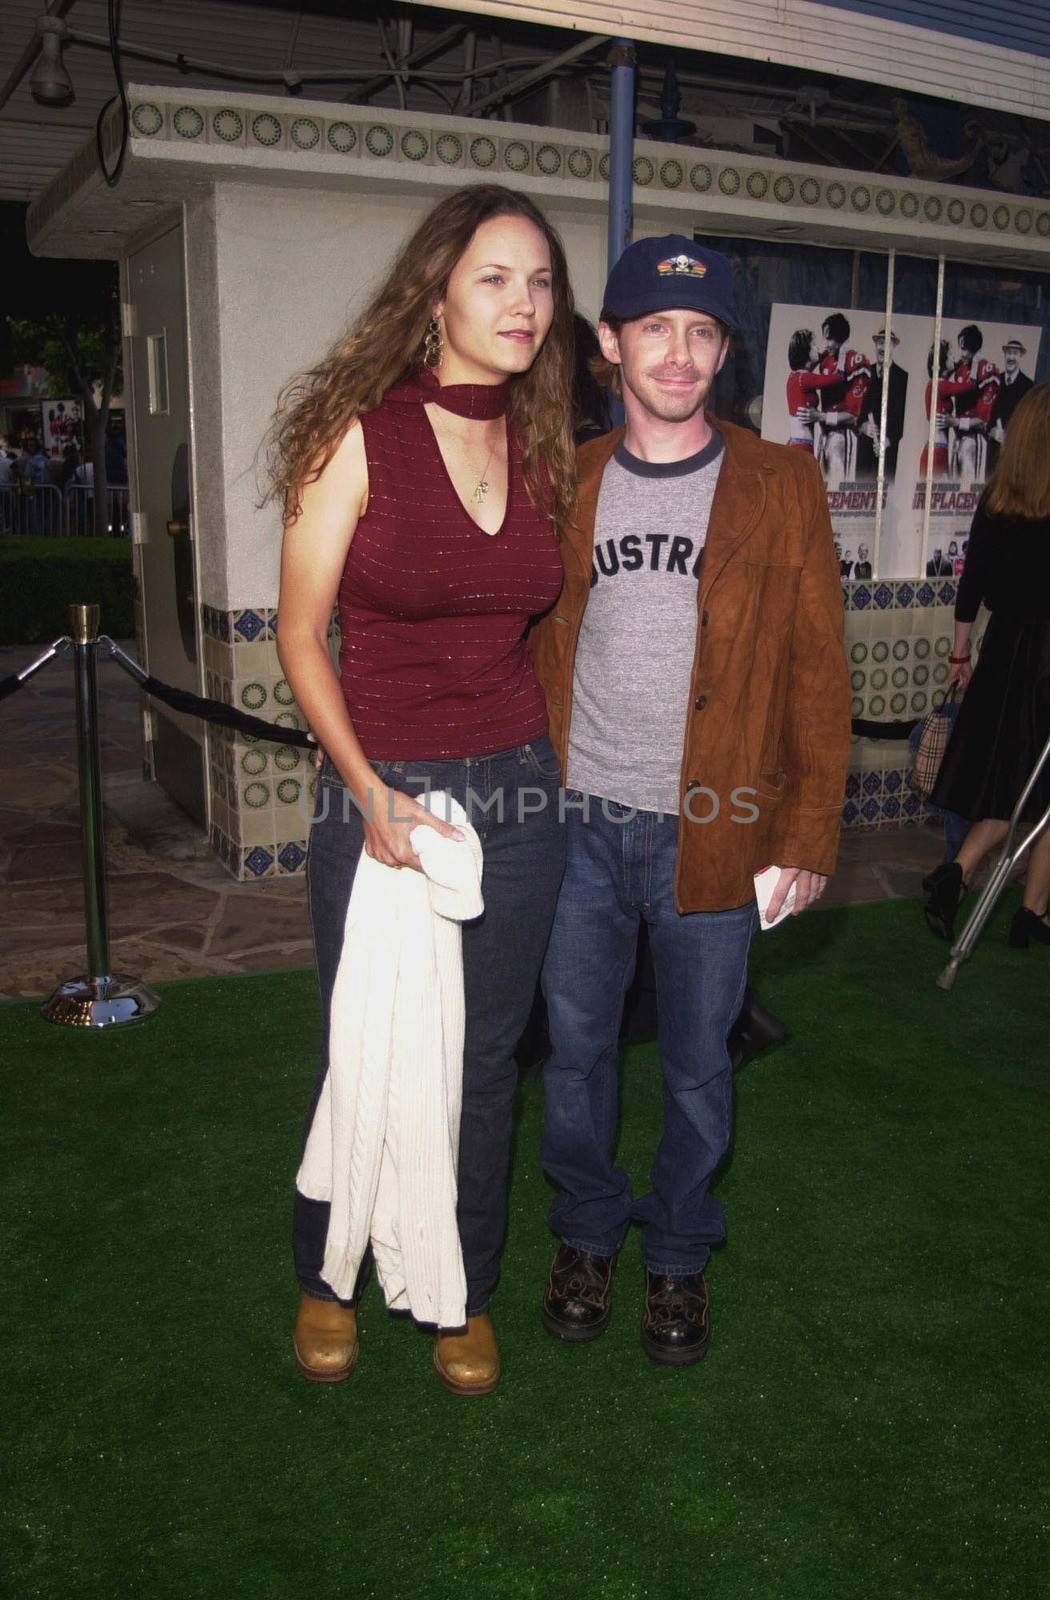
(871, 1419)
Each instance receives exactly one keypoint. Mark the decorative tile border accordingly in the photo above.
(252, 624)
(262, 792)
(250, 862)
(882, 799)
(248, 624)
(349, 134)
(903, 594)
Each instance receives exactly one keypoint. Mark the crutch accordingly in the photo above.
(963, 946)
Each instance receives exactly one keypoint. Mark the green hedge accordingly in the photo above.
(40, 578)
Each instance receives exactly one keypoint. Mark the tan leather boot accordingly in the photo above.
(325, 1339)
(468, 1363)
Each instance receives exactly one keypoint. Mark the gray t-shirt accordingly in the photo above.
(634, 657)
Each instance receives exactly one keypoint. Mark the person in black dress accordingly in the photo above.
(1004, 721)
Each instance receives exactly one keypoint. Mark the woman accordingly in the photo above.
(423, 466)
(803, 387)
(948, 390)
(1004, 721)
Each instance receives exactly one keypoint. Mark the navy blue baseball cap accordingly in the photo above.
(668, 274)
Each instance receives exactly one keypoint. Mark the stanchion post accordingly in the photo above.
(84, 629)
(103, 998)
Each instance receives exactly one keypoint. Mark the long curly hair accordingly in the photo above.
(385, 344)
(1020, 485)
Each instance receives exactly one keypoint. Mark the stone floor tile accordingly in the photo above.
(276, 958)
(25, 827)
(24, 907)
(144, 903)
(242, 924)
(34, 863)
(854, 884)
(182, 938)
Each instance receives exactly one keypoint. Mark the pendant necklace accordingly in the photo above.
(481, 488)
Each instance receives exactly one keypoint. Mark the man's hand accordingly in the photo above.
(809, 886)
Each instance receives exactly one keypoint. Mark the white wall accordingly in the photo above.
(291, 269)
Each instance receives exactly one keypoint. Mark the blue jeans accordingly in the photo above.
(524, 856)
(619, 869)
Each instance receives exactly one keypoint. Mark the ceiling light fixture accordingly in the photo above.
(49, 82)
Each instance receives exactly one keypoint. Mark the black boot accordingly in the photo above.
(676, 1327)
(1028, 925)
(944, 889)
(754, 1030)
(576, 1299)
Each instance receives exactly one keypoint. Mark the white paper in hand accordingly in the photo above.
(765, 883)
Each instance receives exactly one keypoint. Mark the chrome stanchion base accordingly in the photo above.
(99, 1002)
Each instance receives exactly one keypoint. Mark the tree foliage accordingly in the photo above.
(82, 357)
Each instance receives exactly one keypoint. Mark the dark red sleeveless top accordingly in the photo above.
(433, 610)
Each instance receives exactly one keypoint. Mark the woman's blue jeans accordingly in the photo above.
(620, 868)
(511, 798)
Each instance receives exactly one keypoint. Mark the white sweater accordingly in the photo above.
(383, 1144)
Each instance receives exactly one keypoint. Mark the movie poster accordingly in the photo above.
(60, 425)
(827, 371)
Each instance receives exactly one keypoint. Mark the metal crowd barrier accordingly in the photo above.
(43, 508)
(32, 508)
(80, 509)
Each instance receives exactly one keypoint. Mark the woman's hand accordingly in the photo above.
(960, 672)
(389, 818)
(388, 821)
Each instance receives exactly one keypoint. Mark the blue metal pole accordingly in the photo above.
(621, 162)
(621, 148)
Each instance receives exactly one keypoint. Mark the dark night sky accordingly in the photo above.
(35, 285)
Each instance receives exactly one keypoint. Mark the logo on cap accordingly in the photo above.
(681, 266)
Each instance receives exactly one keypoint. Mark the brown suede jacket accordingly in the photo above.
(766, 744)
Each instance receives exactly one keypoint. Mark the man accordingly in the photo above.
(974, 408)
(871, 414)
(862, 565)
(938, 565)
(697, 690)
(1013, 386)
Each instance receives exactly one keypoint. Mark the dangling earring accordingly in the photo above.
(433, 344)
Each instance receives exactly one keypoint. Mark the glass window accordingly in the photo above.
(814, 366)
(157, 370)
